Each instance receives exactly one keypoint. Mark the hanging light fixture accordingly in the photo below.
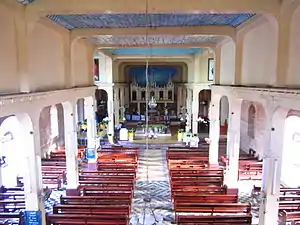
(152, 103)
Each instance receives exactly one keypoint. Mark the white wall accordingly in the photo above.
(46, 59)
(260, 55)
(80, 65)
(105, 68)
(8, 53)
(227, 63)
(293, 77)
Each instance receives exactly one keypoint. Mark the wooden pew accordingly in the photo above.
(11, 218)
(73, 219)
(290, 217)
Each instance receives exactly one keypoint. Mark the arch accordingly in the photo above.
(251, 121)
(224, 110)
(101, 98)
(17, 149)
(8, 54)
(291, 153)
(204, 97)
(51, 127)
(46, 59)
(253, 127)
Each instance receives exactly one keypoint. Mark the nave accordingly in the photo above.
(156, 185)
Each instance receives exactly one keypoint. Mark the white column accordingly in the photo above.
(214, 130)
(189, 109)
(33, 186)
(139, 107)
(116, 106)
(122, 92)
(195, 109)
(91, 122)
(126, 102)
(233, 142)
(110, 110)
(80, 109)
(71, 144)
(179, 99)
(272, 161)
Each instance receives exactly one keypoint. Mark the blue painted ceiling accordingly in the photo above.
(152, 51)
(148, 20)
(158, 74)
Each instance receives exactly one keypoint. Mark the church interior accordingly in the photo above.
(149, 112)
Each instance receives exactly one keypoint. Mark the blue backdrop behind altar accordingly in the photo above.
(158, 74)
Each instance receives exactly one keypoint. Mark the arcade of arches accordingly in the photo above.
(104, 99)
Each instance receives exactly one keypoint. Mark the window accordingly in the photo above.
(134, 96)
(251, 121)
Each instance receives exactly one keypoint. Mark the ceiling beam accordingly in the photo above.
(154, 6)
(141, 58)
(195, 30)
(207, 45)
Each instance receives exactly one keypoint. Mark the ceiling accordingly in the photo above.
(92, 21)
(152, 51)
(71, 22)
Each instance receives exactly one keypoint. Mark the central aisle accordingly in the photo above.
(155, 185)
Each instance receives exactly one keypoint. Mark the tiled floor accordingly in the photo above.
(155, 187)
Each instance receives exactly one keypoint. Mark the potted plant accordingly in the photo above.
(131, 133)
(180, 135)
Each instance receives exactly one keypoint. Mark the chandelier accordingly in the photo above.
(152, 103)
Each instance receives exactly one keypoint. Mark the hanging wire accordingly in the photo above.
(147, 198)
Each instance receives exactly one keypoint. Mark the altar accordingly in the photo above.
(160, 130)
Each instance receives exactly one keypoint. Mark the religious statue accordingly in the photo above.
(166, 111)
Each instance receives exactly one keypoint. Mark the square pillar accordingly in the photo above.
(91, 121)
(116, 107)
(272, 161)
(233, 143)
(214, 130)
(110, 110)
(71, 145)
(33, 186)
(195, 108)
(189, 110)
(179, 99)
(122, 93)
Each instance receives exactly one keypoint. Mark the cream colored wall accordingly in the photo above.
(260, 55)
(105, 68)
(8, 53)
(46, 60)
(227, 63)
(201, 64)
(80, 66)
(293, 76)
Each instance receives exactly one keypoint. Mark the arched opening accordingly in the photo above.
(51, 125)
(101, 98)
(251, 121)
(204, 102)
(224, 114)
(291, 150)
(252, 129)
(11, 148)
